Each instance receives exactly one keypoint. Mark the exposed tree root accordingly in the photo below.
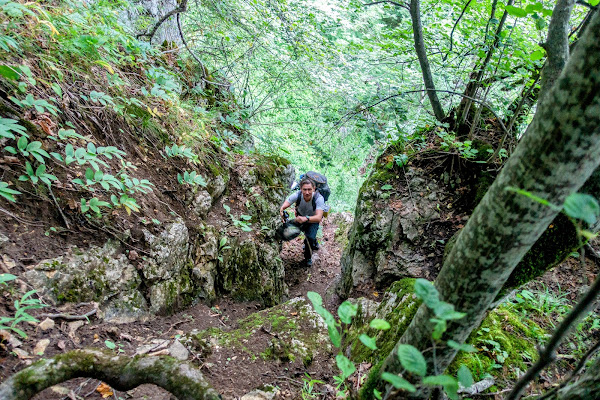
(180, 378)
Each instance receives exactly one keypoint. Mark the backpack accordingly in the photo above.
(320, 183)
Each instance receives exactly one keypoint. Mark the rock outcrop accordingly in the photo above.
(183, 264)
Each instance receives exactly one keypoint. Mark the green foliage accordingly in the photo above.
(22, 306)
(180, 151)
(242, 222)
(38, 175)
(25, 148)
(40, 105)
(8, 193)
(191, 178)
(582, 206)
(10, 127)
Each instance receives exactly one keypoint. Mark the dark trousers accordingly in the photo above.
(310, 231)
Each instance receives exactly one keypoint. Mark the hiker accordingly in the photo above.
(309, 213)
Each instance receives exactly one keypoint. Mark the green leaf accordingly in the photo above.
(380, 324)
(368, 341)
(464, 376)
(461, 347)
(593, 3)
(346, 311)
(334, 335)
(439, 328)
(315, 298)
(9, 72)
(537, 55)
(22, 143)
(110, 345)
(377, 394)
(89, 174)
(386, 187)
(516, 11)
(449, 384)
(582, 206)
(398, 382)
(427, 292)
(346, 366)
(412, 359)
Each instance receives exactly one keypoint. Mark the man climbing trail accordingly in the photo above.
(310, 205)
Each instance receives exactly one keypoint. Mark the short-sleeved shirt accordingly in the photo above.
(305, 208)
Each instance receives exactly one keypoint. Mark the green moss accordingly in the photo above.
(399, 317)
(505, 338)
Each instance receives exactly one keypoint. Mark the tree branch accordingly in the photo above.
(182, 8)
(387, 1)
(454, 27)
(181, 378)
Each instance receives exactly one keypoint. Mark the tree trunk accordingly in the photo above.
(557, 44)
(182, 379)
(415, 14)
(555, 158)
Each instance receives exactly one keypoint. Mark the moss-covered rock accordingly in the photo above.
(300, 338)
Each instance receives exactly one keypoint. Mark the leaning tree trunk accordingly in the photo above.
(558, 153)
(181, 378)
(415, 14)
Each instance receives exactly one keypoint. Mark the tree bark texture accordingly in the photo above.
(182, 379)
(587, 387)
(557, 44)
(415, 14)
(558, 153)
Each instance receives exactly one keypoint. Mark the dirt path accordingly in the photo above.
(232, 374)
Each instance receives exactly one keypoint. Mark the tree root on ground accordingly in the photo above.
(180, 378)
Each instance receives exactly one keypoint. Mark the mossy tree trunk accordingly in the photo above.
(182, 379)
(557, 155)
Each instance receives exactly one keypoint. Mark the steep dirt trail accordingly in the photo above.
(232, 374)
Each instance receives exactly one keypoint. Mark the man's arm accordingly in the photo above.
(315, 219)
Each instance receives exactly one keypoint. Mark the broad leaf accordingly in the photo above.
(582, 206)
(462, 347)
(346, 366)
(464, 376)
(346, 311)
(427, 292)
(516, 11)
(380, 324)
(412, 359)
(334, 335)
(368, 341)
(398, 382)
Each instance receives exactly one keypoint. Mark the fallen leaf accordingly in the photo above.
(61, 345)
(73, 326)
(294, 313)
(104, 390)
(40, 347)
(375, 294)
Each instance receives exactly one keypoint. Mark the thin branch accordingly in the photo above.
(182, 8)
(547, 354)
(388, 2)
(454, 27)
(70, 317)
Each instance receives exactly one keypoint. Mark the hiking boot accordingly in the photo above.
(316, 247)
(308, 262)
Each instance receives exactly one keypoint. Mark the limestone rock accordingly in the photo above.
(268, 392)
(46, 324)
(202, 203)
(179, 351)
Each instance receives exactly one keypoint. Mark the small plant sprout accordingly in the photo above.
(8, 193)
(191, 178)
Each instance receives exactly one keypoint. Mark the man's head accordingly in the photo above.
(307, 187)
